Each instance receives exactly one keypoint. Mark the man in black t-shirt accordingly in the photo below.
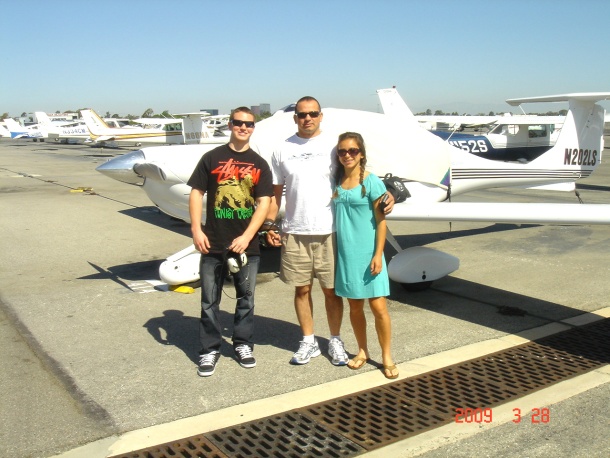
(238, 185)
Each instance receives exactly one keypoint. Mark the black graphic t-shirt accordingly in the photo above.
(232, 182)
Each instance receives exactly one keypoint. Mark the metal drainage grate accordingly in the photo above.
(374, 418)
(290, 434)
(191, 447)
(370, 419)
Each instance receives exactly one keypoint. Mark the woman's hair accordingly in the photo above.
(339, 167)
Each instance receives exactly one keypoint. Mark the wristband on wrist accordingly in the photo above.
(269, 225)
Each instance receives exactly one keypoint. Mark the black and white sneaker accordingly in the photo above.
(207, 363)
(244, 356)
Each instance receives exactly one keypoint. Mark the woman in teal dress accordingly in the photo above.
(361, 271)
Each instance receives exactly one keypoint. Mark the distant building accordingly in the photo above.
(256, 109)
(265, 108)
(67, 117)
(212, 111)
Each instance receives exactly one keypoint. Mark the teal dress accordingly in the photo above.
(356, 227)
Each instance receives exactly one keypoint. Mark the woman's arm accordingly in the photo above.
(380, 233)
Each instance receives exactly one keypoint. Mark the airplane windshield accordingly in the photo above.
(505, 129)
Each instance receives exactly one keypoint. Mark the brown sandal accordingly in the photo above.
(390, 369)
(358, 363)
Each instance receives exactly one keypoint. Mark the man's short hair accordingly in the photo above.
(307, 98)
(241, 110)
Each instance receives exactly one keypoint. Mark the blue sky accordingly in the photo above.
(129, 55)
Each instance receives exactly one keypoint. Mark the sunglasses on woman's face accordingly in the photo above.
(352, 152)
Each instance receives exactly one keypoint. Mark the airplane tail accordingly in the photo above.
(575, 155)
(16, 130)
(43, 119)
(578, 149)
(194, 130)
(94, 122)
(393, 104)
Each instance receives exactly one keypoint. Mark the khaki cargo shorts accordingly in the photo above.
(305, 257)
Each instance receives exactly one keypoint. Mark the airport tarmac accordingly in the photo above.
(99, 359)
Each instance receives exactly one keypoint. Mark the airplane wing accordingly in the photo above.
(523, 120)
(194, 113)
(105, 138)
(576, 96)
(517, 213)
(161, 121)
(459, 120)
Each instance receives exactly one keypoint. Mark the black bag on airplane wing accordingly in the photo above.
(395, 187)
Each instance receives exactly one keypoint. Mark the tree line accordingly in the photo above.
(148, 113)
(428, 112)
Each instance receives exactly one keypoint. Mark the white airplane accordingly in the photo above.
(430, 169)
(65, 132)
(36, 132)
(193, 132)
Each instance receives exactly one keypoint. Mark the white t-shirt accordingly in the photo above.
(304, 166)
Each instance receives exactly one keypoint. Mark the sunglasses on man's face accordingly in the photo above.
(352, 152)
(239, 123)
(304, 114)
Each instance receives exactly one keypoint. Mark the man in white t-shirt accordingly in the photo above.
(303, 164)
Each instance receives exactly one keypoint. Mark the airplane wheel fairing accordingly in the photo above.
(418, 265)
(181, 268)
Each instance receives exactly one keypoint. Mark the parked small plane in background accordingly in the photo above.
(429, 168)
(217, 121)
(513, 138)
(64, 132)
(18, 131)
(508, 138)
(192, 132)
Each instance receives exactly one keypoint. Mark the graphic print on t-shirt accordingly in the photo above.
(234, 197)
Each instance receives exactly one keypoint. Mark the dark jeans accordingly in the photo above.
(212, 271)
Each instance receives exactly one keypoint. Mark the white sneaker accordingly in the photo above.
(305, 352)
(336, 351)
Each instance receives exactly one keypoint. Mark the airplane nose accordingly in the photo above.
(122, 168)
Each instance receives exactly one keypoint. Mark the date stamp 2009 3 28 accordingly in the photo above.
(468, 415)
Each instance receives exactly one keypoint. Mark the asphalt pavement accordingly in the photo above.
(99, 359)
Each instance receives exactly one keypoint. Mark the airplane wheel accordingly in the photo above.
(414, 287)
